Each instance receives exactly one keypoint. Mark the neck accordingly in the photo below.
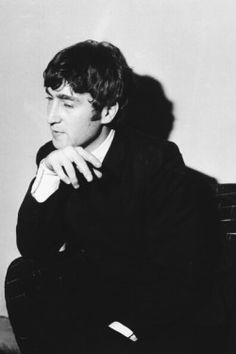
(101, 136)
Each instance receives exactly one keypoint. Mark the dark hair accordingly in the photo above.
(98, 68)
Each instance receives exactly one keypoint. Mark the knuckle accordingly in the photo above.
(55, 156)
(68, 150)
(79, 150)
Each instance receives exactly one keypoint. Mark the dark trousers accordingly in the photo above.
(51, 312)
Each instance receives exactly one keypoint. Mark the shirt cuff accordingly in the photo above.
(46, 183)
(122, 329)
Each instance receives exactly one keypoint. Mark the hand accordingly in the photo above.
(63, 162)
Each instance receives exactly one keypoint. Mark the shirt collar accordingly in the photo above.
(101, 151)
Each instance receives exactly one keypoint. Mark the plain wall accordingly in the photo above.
(188, 45)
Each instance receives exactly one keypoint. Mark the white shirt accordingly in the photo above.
(47, 182)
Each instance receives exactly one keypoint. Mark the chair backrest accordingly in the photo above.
(226, 203)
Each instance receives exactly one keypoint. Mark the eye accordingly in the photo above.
(67, 105)
(49, 98)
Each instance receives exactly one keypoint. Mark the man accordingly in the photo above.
(116, 255)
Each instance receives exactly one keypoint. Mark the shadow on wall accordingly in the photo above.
(150, 111)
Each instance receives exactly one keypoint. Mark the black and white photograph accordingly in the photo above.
(118, 177)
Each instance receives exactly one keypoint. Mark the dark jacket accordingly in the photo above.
(139, 234)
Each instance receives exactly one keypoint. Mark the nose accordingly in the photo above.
(53, 112)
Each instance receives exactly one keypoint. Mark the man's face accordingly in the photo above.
(70, 116)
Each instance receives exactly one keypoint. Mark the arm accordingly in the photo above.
(182, 247)
(174, 278)
(41, 227)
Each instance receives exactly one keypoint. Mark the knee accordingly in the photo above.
(16, 269)
(16, 276)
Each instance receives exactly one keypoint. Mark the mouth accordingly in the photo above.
(56, 133)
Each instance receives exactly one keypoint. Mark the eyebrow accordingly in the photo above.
(62, 96)
(66, 97)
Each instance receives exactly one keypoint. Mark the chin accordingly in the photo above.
(58, 144)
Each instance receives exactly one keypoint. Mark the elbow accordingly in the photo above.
(27, 249)
(27, 244)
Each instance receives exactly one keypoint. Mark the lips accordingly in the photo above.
(56, 131)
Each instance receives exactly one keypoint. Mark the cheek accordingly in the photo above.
(81, 127)
(77, 132)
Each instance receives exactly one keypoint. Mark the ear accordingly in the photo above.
(108, 114)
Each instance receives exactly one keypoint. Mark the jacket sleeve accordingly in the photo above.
(181, 251)
(40, 226)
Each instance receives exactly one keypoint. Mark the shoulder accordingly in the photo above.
(150, 150)
(44, 151)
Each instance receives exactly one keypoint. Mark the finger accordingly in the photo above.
(70, 171)
(60, 172)
(89, 157)
(97, 173)
(80, 164)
